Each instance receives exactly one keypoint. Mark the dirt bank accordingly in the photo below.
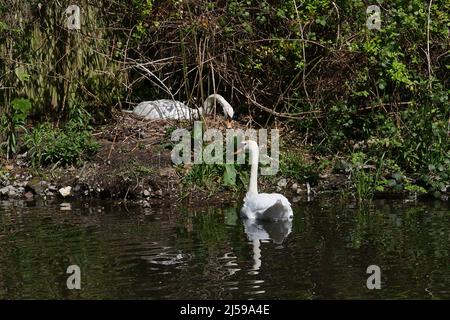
(134, 164)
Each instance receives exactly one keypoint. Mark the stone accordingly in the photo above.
(9, 191)
(21, 156)
(29, 195)
(282, 183)
(146, 204)
(20, 184)
(65, 191)
(4, 191)
(36, 185)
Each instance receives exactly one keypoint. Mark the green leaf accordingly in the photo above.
(21, 105)
(23, 76)
(229, 175)
(321, 20)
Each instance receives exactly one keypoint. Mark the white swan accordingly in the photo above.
(262, 206)
(172, 109)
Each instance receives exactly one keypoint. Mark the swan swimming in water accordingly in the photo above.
(172, 109)
(262, 206)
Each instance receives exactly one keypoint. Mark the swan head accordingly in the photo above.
(229, 115)
(248, 145)
(228, 110)
(252, 147)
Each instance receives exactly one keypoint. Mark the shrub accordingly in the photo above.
(10, 122)
(70, 145)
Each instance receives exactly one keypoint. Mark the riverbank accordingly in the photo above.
(364, 112)
(133, 163)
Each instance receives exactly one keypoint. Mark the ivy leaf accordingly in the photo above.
(322, 21)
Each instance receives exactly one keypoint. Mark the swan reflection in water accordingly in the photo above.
(263, 231)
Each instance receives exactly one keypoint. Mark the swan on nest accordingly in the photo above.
(172, 109)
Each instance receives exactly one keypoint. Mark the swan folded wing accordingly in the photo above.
(277, 211)
(162, 109)
(267, 206)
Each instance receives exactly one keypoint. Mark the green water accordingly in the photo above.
(180, 253)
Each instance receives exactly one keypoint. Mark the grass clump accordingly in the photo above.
(294, 166)
(136, 171)
(213, 177)
(71, 144)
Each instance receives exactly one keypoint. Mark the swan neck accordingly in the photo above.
(254, 156)
(209, 103)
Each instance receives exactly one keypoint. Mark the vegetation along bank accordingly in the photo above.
(362, 112)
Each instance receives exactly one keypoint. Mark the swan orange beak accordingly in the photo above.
(229, 124)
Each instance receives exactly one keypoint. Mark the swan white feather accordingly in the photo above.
(172, 109)
(262, 206)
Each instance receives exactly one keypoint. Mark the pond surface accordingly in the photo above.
(182, 253)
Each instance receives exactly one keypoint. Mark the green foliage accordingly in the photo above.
(212, 177)
(20, 110)
(438, 177)
(415, 189)
(385, 91)
(294, 166)
(370, 175)
(12, 121)
(134, 170)
(56, 72)
(363, 181)
(70, 145)
(216, 176)
(365, 175)
(229, 175)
